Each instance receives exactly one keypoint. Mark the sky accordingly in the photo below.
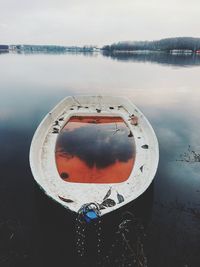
(96, 22)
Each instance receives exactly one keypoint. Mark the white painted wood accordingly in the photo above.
(42, 153)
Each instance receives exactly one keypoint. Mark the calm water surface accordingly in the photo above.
(95, 150)
(34, 231)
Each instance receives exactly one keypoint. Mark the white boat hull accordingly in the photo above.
(74, 195)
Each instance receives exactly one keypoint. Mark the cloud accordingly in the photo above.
(97, 144)
(96, 22)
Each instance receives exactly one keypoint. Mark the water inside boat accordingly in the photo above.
(95, 149)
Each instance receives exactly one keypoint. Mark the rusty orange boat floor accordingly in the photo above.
(95, 149)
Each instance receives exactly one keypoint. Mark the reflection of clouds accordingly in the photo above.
(175, 132)
(178, 180)
(6, 113)
(176, 129)
(98, 145)
(108, 21)
(169, 137)
(166, 98)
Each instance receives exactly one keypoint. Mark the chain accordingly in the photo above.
(127, 248)
(80, 228)
(99, 240)
(88, 213)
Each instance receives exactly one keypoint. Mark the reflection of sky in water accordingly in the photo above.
(105, 143)
(95, 149)
(169, 96)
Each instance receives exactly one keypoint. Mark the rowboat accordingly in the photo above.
(94, 154)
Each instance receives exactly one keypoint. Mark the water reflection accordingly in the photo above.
(30, 86)
(3, 52)
(163, 58)
(95, 150)
(74, 53)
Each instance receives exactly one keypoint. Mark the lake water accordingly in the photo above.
(34, 231)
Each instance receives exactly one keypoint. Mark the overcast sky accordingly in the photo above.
(99, 22)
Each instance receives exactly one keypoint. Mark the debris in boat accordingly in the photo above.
(130, 134)
(120, 198)
(141, 168)
(76, 101)
(98, 110)
(55, 130)
(67, 200)
(101, 207)
(107, 194)
(116, 129)
(56, 123)
(190, 156)
(108, 203)
(61, 119)
(145, 146)
(64, 175)
(134, 120)
(111, 107)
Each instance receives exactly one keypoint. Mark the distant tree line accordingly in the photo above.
(44, 48)
(51, 48)
(179, 43)
(4, 47)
